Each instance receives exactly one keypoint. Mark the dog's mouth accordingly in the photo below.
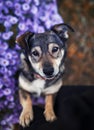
(44, 77)
(50, 78)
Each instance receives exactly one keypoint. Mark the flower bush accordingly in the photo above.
(17, 17)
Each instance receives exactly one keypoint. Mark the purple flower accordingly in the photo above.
(6, 102)
(8, 17)
(9, 118)
(10, 73)
(36, 2)
(28, 1)
(1, 85)
(40, 29)
(2, 52)
(21, 26)
(7, 35)
(13, 20)
(48, 24)
(14, 54)
(17, 47)
(56, 19)
(18, 12)
(29, 22)
(17, 6)
(8, 55)
(12, 61)
(3, 46)
(11, 105)
(41, 100)
(3, 70)
(44, 18)
(3, 122)
(35, 27)
(1, 4)
(1, 93)
(9, 3)
(7, 91)
(7, 24)
(6, 80)
(10, 98)
(34, 10)
(25, 7)
(4, 62)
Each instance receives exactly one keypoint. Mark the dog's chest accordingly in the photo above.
(38, 86)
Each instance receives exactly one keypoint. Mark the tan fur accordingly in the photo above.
(27, 112)
(49, 112)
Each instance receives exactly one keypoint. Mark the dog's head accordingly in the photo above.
(46, 51)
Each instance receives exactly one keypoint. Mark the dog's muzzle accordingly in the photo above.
(48, 70)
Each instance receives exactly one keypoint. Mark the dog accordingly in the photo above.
(42, 68)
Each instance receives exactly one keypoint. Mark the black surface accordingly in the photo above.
(74, 108)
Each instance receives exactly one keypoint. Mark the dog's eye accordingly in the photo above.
(35, 53)
(55, 49)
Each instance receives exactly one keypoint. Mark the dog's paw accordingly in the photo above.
(49, 116)
(26, 117)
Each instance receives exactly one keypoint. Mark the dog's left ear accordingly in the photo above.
(62, 30)
(23, 40)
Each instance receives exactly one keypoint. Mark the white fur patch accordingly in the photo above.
(22, 56)
(66, 34)
(35, 86)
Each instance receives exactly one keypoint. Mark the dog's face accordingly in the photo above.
(46, 54)
(46, 51)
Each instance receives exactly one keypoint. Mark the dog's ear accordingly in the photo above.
(62, 30)
(23, 40)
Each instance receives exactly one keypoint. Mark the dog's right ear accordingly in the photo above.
(23, 40)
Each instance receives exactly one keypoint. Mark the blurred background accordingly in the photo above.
(80, 56)
(19, 16)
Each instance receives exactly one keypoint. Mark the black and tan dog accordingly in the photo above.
(42, 67)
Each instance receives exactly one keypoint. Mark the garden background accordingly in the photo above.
(15, 18)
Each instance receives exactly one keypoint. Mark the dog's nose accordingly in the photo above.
(48, 71)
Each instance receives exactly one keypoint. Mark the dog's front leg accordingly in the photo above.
(27, 112)
(49, 110)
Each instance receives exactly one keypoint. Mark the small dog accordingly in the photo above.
(42, 67)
